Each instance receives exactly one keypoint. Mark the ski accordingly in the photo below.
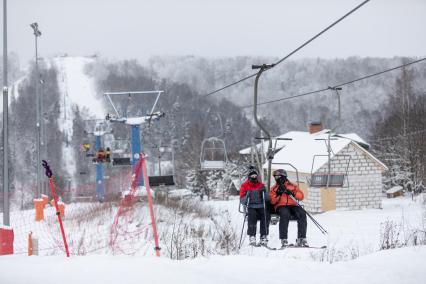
(288, 246)
(268, 247)
(260, 245)
(293, 246)
(312, 247)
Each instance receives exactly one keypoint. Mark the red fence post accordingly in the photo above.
(58, 213)
(151, 207)
(6, 240)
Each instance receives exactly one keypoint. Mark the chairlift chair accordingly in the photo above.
(213, 154)
(330, 179)
(121, 154)
(87, 149)
(162, 179)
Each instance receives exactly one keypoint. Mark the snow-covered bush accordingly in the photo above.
(390, 235)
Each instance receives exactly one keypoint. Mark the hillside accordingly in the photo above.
(74, 87)
(362, 102)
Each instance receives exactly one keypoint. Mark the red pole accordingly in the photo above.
(52, 187)
(151, 207)
(49, 174)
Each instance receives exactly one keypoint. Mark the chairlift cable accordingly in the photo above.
(339, 85)
(294, 51)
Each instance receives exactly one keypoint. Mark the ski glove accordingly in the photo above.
(280, 190)
(288, 192)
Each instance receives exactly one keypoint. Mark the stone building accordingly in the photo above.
(352, 179)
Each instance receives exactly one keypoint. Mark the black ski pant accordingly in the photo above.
(255, 214)
(286, 212)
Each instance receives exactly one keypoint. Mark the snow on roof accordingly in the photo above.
(394, 189)
(354, 137)
(279, 144)
(301, 150)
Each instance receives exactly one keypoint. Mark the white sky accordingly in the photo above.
(212, 28)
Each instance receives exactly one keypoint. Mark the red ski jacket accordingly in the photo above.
(248, 185)
(253, 193)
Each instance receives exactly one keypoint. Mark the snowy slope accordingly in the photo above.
(396, 266)
(354, 236)
(77, 88)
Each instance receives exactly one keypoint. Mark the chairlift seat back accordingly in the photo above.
(121, 162)
(161, 180)
(213, 165)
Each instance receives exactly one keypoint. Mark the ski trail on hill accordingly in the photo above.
(76, 89)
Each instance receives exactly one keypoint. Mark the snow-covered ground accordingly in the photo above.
(352, 256)
(78, 87)
(350, 233)
(404, 265)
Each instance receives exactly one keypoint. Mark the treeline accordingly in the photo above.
(361, 101)
(400, 136)
(388, 110)
(23, 134)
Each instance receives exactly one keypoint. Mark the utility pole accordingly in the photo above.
(37, 33)
(6, 216)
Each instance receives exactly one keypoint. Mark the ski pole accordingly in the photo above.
(58, 213)
(264, 212)
(323, 231)
(245, 218)
(242, 231)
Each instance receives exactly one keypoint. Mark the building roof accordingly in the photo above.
(301, 150)
(279, 144)
(394, 189)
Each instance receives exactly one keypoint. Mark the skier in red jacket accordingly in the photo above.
(253, 195)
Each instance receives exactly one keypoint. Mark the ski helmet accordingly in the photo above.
(252, 171)
(279, 173)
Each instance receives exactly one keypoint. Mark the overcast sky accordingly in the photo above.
(122, 29)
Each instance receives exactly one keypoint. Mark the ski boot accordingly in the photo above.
(284, 243)
(264, 241)
(301, 242)
(252, 240)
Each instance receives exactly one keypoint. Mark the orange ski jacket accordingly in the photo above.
(284, 199)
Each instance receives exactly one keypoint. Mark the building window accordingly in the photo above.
(320, 180)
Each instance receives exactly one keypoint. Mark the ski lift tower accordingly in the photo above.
(134, 109)
(99, 129)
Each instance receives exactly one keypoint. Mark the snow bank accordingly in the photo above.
(393, 266)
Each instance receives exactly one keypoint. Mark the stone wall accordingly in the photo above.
(361, 189)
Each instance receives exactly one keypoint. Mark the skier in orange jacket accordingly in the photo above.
(281, 194)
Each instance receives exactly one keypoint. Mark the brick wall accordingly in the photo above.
(362, 188)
